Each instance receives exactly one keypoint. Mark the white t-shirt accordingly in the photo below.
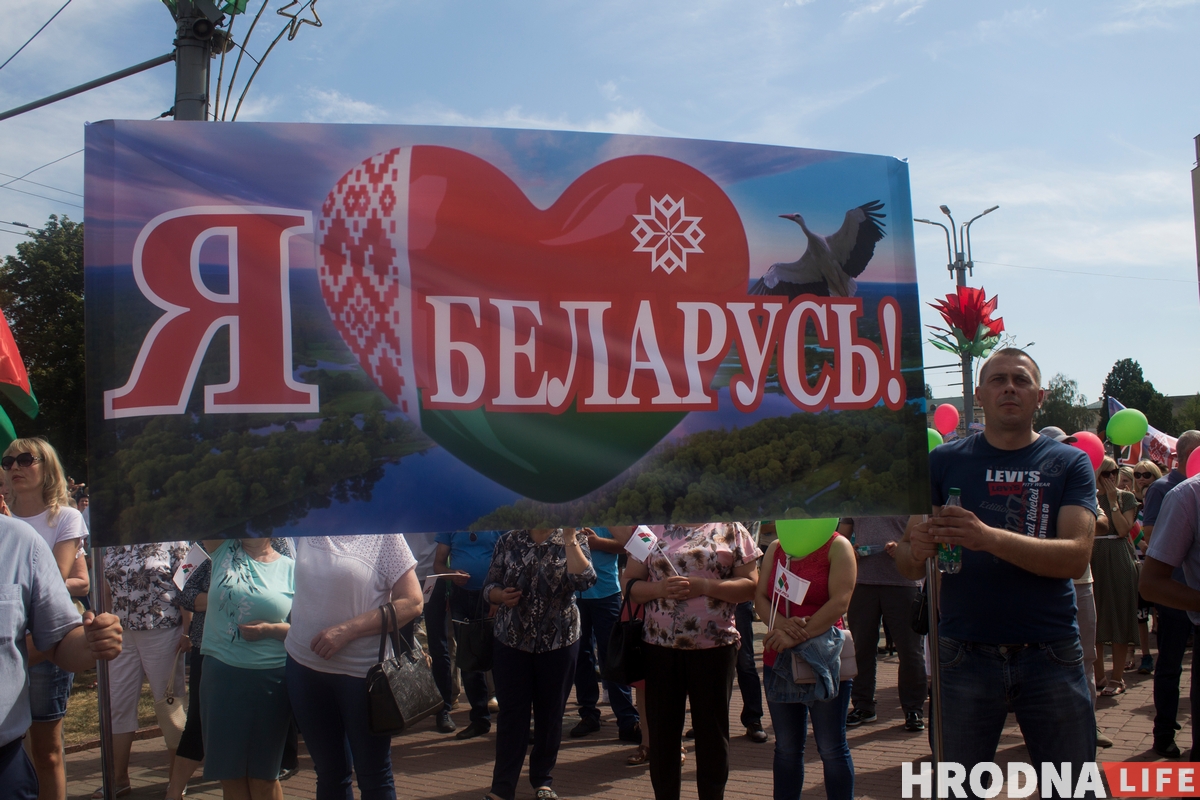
(338, 578)
(67, 525)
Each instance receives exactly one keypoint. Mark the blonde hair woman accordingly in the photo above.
(38, 494)
(1145, 473)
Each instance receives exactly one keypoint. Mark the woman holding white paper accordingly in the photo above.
(830, 572)
(691, 583)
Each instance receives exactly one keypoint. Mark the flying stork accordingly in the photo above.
(830, 263)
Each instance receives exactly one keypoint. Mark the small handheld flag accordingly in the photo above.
(642, 544)
(195, 557)
(790, 585)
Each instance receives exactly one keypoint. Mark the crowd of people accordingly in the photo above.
(1064, 566)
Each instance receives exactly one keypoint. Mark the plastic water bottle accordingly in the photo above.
(950, 556)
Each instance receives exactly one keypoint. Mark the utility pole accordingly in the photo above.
(195, 24)
(959, 266)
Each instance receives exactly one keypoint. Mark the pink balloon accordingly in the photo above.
(945, 418)
(1193, 463)
(1090, 443)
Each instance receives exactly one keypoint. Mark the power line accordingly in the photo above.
(42, 196)
(31, 38)
(1083, 272)
(43, 185)
(43, 166)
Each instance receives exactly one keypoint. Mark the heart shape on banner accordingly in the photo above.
(429, 221)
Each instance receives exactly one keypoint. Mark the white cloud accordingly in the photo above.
(885, 7)
(620, 120)
(609, 91)
(1142, 15)
(330, 105)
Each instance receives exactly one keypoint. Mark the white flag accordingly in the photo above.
(642, 543)
(195, 557)
(790, 585)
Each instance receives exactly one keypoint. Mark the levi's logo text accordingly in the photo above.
(1018, 779)
(1022, 493)
(456, 293)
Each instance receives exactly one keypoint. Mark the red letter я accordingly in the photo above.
(257, 310)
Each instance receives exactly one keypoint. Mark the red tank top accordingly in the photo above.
(814, 568)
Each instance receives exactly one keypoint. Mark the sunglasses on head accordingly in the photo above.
(1143, 474)
(22, 460)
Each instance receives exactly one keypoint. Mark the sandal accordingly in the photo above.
(1113, 688)
(640, 756)
(546, 793)
(120, 792)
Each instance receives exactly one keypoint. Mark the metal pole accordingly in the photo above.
(107, 767)
(192, 56)
(83, 87)
(967, 375)
(935, 699)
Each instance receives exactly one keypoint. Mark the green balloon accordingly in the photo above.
(1127, 426)
(799, 537)
(935, 438)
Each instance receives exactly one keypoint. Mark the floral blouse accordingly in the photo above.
(546, 617)
(696, 551)
(144, 596)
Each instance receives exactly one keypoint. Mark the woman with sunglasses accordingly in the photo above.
(1114, 571)
(1145, 473)
(38, 490)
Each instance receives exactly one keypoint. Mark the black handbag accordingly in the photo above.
(625, 662)
(400, 690)
(473, 639)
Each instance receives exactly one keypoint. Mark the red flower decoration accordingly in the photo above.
(969, 315)
(967, 310)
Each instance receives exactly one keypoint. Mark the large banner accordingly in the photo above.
(310, 329)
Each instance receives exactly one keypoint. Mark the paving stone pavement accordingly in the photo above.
(431, 766)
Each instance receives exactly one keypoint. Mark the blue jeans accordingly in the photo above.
(596, 618)
(747, 670)
(49, 690)
(790, 721)
(1043, 684)
(331, 711)
(464, 605)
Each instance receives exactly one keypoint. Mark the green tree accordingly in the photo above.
(41, 294)
(1064, 407)
(1127, 384)
(1187, 418)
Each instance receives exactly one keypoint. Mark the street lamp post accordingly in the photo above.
(959, 237)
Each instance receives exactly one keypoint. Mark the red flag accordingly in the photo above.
(14, 380)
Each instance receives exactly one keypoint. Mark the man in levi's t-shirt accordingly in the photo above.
(1008, 636)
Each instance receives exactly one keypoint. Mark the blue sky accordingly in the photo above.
(1076, 118)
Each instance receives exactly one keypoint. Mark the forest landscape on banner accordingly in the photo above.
(299, 329)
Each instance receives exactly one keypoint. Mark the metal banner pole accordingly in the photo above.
(935, 708)
(107, 767)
